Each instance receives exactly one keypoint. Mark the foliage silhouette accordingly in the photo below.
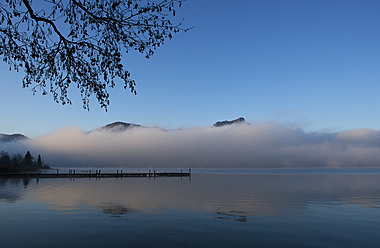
(81, 42)
(17, 163)
(28, 160)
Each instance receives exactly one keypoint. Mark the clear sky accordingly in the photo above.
(312, 63)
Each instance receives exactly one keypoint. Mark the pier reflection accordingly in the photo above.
(228, 196)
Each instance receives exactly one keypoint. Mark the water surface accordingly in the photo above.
(256, 209)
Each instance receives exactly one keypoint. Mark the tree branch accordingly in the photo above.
(50, 22)
(90, 55)
(106, 19)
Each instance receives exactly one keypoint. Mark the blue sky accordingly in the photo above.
(312, 63)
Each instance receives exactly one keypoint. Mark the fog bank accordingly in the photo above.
(235, 146)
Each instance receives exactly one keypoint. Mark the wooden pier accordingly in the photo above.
(97, 174)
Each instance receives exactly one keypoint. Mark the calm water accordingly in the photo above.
(257, 209)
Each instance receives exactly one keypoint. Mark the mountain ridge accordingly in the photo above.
(117, 126)
(12, 137)
(226, 122)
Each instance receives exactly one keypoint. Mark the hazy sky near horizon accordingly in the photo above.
(312, 63)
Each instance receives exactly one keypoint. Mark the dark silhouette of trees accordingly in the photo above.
(39, 161)
(62, 42)
(28, 160)
(12, 164)
(5, 159)
(17, 160)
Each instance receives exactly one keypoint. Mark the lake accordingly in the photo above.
(213, 208)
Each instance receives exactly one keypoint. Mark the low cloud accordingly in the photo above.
(235, 146)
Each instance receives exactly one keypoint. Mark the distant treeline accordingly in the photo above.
(18, 163)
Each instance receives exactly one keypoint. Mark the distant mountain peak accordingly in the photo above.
(119, 126)
(12, 137)
(224, 123)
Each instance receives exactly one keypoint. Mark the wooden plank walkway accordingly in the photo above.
(95, 175)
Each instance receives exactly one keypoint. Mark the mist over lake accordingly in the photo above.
(189, 124)
(255, 145)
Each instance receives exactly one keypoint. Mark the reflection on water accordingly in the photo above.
(308, 210)
(115, 210)
(241, 195)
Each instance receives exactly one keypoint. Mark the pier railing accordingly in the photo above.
(96, 174)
